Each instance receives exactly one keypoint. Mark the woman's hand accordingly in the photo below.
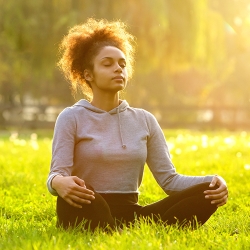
(218, 196)
(73, 190)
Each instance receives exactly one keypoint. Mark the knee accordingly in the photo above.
(206, 204)
(204, 186)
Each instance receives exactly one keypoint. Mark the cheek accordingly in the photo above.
(125, 71)
(99, 74)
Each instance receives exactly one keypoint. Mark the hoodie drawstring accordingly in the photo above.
(120, 128)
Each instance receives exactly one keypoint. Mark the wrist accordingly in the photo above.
(55, 180)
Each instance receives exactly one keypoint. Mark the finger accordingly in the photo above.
(84, 196)
(79, 193)
(79, 200)
(212, 192)
(216, 191)
(212, 184)
(79, 181)
(214, 181)
(88, 191)
(217, 196)
(220, 202)
(83, 190)
(72, 203)
(220, 188)
(76, 201)
(220, 199)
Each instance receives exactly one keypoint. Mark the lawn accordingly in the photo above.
(28, 211)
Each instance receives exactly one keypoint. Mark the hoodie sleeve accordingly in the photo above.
(62, 147)
(160, 164)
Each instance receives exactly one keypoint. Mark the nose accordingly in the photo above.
(118, 68)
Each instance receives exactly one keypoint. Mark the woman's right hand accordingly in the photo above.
(73, 190)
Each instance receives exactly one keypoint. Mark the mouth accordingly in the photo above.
(121, 78)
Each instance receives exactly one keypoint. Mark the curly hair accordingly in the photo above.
(83, 43)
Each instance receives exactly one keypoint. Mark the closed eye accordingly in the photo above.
(123, 65)
(107, 64)
(107, 61)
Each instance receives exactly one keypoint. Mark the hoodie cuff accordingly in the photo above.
(52, 190)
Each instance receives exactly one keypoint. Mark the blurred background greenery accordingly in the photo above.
(192, 62)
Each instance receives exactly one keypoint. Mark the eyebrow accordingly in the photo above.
(111, 58)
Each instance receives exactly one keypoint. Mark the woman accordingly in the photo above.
(100, 147)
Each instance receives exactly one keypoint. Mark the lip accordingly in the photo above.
(118, 78)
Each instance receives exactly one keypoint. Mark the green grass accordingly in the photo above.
(28, 211)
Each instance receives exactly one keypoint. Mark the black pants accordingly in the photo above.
(187, 207)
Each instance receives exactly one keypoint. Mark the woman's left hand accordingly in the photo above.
(218, 196)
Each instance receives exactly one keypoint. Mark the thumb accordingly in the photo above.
(79, 181)
(213, 182)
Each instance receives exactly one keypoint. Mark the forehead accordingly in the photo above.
(110, 52)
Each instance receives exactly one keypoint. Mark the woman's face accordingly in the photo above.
(109, 71)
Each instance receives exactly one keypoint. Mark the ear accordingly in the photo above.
(88, 76)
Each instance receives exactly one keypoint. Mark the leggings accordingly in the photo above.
(109, 211)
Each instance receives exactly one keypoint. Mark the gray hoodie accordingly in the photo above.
(108, 150)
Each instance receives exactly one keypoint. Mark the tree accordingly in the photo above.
(189, 52)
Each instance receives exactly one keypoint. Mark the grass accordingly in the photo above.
(27, 215)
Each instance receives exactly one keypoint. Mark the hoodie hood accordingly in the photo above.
(84, 103)
(122, 107)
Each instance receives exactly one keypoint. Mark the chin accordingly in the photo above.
(119, 88)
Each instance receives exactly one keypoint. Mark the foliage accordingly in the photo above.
(28, 217)
(188, 51)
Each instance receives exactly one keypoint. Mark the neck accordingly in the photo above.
(106, 102)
